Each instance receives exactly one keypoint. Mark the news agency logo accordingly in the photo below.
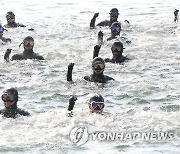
(80, 135)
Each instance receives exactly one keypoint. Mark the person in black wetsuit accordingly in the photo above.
(115, 34)
(1, 35)
(96, 104)
(176, 15)
(115, 30)
(10, 17)
(28, 53)
(10, 99)
(113, 18)
(98, 66)
(117, 50)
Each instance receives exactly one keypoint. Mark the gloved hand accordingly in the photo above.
(6, 55)
(72, 101)
(96, 15)
(96, 51)
(100, 37)
(69, 72)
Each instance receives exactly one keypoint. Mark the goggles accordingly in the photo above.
(117, 49)
(97, 105)
(10, 16)
(98, 66)
(6, 97)
(31, 43)
(116, 29)
(114, 14)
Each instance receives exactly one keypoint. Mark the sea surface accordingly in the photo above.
(143, 99)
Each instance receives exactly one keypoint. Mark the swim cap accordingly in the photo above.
(117, 47)
(96, 103)
(114, 12)
(12, 91)
(97, 60)
(28, 38)
(10, 15)
(116, 28)
(96, 98)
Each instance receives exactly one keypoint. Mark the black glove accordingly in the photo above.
(96, 50)
(100, 34)
(6, 55)
(69, 73)
(96, 15)
(100, 37)
(72, 101)
(93, 20)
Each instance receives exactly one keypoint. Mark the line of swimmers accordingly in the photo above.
(96, 103)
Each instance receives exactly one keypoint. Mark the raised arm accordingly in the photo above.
(6, 55)
(93, 20)
(96, 51)
(69, 72)
(100, 37)
(72, 101)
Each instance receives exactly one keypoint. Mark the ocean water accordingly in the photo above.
(144, 98)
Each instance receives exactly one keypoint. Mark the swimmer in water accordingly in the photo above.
(176, 15)
(96, 104)
(10, 17)
(98, 66)
(114, 13)
(10, 99)
(117, 50)
(28, 53)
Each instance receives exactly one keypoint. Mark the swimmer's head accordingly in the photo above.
(116, 28)
(10, 16)
(10, 97)
(114, 14)
(98, 65)
(96, 103)
(28, 43)
(117, 49)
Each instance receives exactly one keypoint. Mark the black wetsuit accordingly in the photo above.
(27, 55)
(98, 78)
(14, 25)
(12, 111)
(120, 59)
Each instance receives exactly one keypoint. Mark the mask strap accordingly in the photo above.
(20, 44)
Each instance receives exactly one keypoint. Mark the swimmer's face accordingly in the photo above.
(116, 54)
(8, 99)
(98, 68)
(97, 107)
(28, 44)
(114, 16)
